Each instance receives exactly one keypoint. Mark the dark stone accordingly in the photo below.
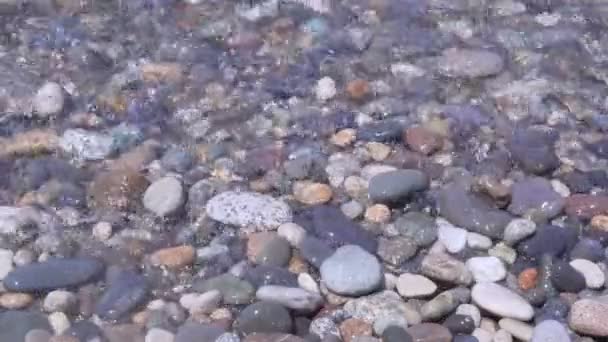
(314, 250)
(598, 178)
(465, 209)
(331, 225)
(395, 333)
(396, 186)
(588, 249)
(264, 317)
(548, 239)
(269, 275)
(298, 168)
(554, 309)
(566, 278)
(534, 197)
(190, 332)
(383, 131)
(465, 338)
(53, 274)
(459, 324)
(234, 291)
(85, 331)
(419, 227)
(177, 159)
(125, 292)
(533, 150)
(600, 148)
(577, 182)
(14, 325)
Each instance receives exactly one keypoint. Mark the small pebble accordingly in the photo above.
(159, 335)
(15, 300)
(49, 100)
(312, 193)
(378, 213)
(174, 257)
(486, 269)
(594, 276)
(102, 231)
(326, 89)
(164, 197)
(415, 286)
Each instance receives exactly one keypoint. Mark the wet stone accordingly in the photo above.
(550, 331)
(566, 278)
(469, 63)
(586, 316)
(53, 274)
(533, 150)
(290, 297)
(396, 250)
(234, 290)
(14, 325)
(459, 324)
(536, 199)
(264, 317)
(382, 304)
(548, 239)
(501, 301)
(396, 334)
(382, 131)
(49, 100)
(586, 206)
(351, 271)
(419, 227)
(164, 197)
(587, 249)
(443, 267)
(427, 332)
(87, 145)
(315, 251)
(193, 332)
(125, 292)
(332, 226)
(84, 331)
(248, 209)
(395, 186)
(269, 275)
(117, 189)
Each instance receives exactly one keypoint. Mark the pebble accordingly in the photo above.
(415, 286)
(291, 297)
(293, 233)
(471, 311)
(308, 283)
(517, 329)
(15, 300)
(422, 140)
(453, 238)
(351, 271)
(120, 189)
(594, 276)
(483, 335)
(503, 252)
(352, 209)
(550, 331)
(588, 249)
(344, 137)
(87, 145)
(164, 197)
(396, 334)
(459, 324)
(443, 267)
(315, 251)
(159, 335)
(352, 328)
(264, 317)
(533, 150)
(478, 241)
(535, 198)
(28, 143)
(312, 193)
(381, 304)
(378, 213)
(551, 240)
(394, 186)
(38, 335)
(586, 206)
(518, 229)
(566, 278)
(502, 336)
(194, 332)
(443, 304)
(59, 321)
(326, 89)
(201, 303)
(501, 301)
(419, 227)
(324, 327)
(53, 274)
(174, 257)
(470, 63)
(429, 332)
(125, 292)
(60, 300)
(396, 251)
(48, 100)
(486, 269)
(6, 262)
(383, 323)
(268, 249)
(228, 337)
(102, 231)
(234, 290)
(14, 325)
(248, 209)
(527, 279)
(358, 89)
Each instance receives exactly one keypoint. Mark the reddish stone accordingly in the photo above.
(353, 327)
(422, 140)
(358, 89)
(527, 279)
(586, 206)
(430, 332)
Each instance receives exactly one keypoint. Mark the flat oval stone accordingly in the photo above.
(351, 271)
(234, 290)
(293, 298)
(264, 317)
(248, 209)
(191, 331)
(126, 291)
(586, 206)
(430, 332)
(14, 325)
(53, 274)
(394, 186)
(566, 278)
(550, 331)
(588, 316)
(501, 301)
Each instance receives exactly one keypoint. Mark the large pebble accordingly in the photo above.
(164, 197)
(417, 226)
(594, 276)
(87, 145)
(270, 275)
(533, 150)
(453, 238)
(471, 63)
(290, 297)
(381, 304)
(396, 250)
(49, 100)
(351, 271)
(443, 267)
(264, 317)
(395, 186)
(587, 316)
(467, 210)
(486, 269)
(117, 189)
(429, 332)
(234, 290)
(332, 226)
(125, 292)
(535, 198)
(53, 274)
(14, 325)
(550, 331)
(248, 209)
(586, 206)
(414, 286)
(174, 257)
(566, 278)
(501, 301)
(548, 239)
(519, 229)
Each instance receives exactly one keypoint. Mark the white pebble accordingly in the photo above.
(411, 285)
(159, 335)
(482, 335)
(102, 231)
(59, 322)
(518, 329)
(503, 336)
(59, 301)
(307, 282)
(594, 276)
(560, 188)
(292, 232)
(486, 269)
(49, 100)
(471, 311)
(326, 89)
(453, 238)
(6, 262)
(201, 303)
(478, 241)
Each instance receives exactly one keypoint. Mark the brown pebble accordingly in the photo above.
(256, 243)
(527, 279)
(358, 89)
(600, 222)
(15, 301)
(312, 193)
(588, 316)
(378, 213)
(140, 317)
(29, 143)
(430, 332)
(422, 140)
(162, 72)
(344, 137)
(117, 189)
(174, 257)
(586, 206)
(297, 264)
(353, 327)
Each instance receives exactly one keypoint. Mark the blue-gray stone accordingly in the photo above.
(269, 275)
(196, 332)
(314, 250)
(396, 186)
(14, 325)
(126, 291)
(264, 317)
(84, 331)
(53, 274)
(548, 239)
